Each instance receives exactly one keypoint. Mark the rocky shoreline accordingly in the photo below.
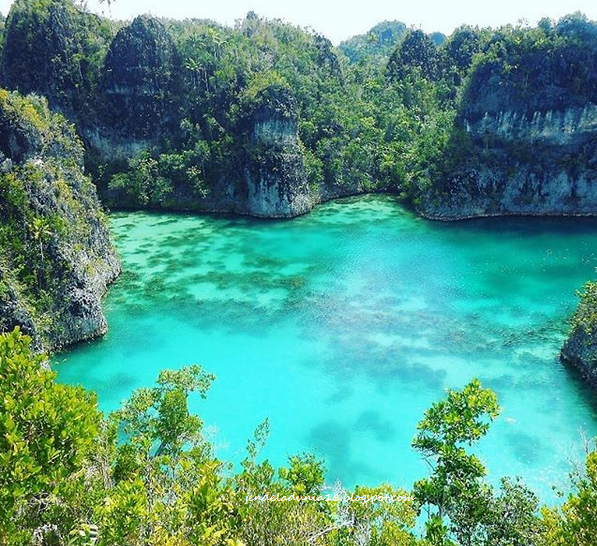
(57, 259)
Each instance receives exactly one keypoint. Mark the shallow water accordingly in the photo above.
(343, 326)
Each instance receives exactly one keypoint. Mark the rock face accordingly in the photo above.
(275, 182)
(580, 352)
(275, 179)
(541, 163)
(47, 47)
(264, 177)
(136, 91)
(524, 142)
(56, 258)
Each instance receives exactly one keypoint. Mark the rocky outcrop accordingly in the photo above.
(270, 179)
(137, 90)
(524, 139)
(190, 116)
(264, 176)
(275, 182)
(56, 258)
(48, 48)
(538, 163)
(580, 349)
(580, 352)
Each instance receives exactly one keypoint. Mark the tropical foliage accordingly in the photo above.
(182, 100)
(146, 474)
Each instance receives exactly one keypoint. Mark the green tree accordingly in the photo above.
(575, 523)
(165, 485)
(380, 522)
(415, 52)
(305, 474)
(585, 316)
(462, 46)
(46, 432)
(459, 504)
(41, 231)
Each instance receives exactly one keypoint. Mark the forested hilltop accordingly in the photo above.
(268, 119)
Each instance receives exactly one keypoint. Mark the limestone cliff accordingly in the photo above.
(524, 138)
(517, 163)
(56, 258)
(263, 175)
(52, 48)
(269, 179)
(580, 350)
(183, 115)
(275, 182)
(135, 98)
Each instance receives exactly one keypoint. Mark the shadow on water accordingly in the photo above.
(521, 226)
(373, 421)
(335, 441)
(526, 447)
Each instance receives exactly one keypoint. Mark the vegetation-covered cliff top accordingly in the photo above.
(169, 101)
(55, 254)
(375, 45)
(550, 67)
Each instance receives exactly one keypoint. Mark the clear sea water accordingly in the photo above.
(344, 325)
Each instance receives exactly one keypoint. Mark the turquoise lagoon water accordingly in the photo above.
(343, 326)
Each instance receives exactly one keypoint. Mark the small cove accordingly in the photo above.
(344, 325)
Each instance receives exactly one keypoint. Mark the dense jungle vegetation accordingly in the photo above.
(147, 475)
(165, 111)
(165, 107)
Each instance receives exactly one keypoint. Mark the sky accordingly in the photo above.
(340, 19)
